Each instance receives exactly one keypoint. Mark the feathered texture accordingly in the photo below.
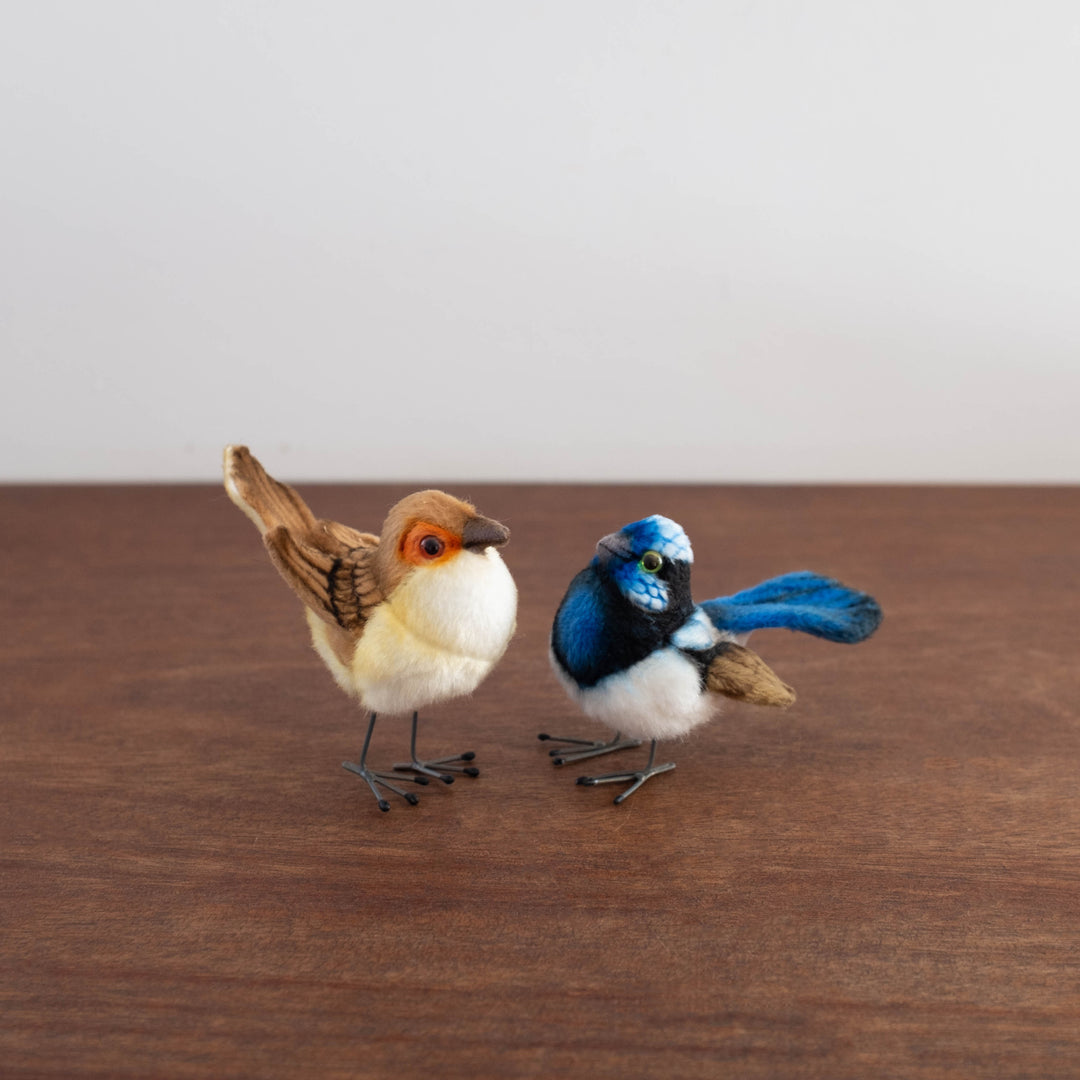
(439, 635)
(266, 501)
(335, 581)
(633, 650)
(801, 601)
(597, 633)
(602, 633)
(330, 566)
(397, 629)
(656, 534)
(415, 616)
(650, 670)
(739, 673)
(430, 505)
(659, 697)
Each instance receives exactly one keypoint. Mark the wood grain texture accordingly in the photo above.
(882, 881)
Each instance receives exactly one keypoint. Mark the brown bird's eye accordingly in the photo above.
(651, 562)
(431, 546)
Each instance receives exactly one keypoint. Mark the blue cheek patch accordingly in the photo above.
(665, 537)
(645, 591)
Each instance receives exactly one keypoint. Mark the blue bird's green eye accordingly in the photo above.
(651, 562)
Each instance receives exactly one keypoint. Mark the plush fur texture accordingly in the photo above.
(432, 506)
(439, 634)
(634, 651)
(598, 633)
(397, 628)
(659, 697)
(801, 601)
(648, 590)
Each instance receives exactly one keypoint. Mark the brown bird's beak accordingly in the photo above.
(482, 532)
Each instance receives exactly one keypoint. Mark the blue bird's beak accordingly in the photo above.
(614, 544)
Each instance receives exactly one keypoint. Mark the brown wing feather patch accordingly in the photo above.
(330, 566)
(738, 672)
(344, 535)
(337, 583)
(305, 569)
(353, 591)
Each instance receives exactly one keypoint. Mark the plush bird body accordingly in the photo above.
(412, 617)
(436, 637)
(632, 648)
(657, 697)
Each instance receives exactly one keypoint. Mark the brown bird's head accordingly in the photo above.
(430, 528)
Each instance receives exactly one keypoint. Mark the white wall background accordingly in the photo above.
(539, 239)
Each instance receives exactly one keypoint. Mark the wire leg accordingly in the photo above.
(436, 768)
(376, 780)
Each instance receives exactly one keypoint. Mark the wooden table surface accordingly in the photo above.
(883, 881)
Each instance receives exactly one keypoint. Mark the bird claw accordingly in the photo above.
(638, 779)
(376, 780)
(422, 772)
(439, 768)
(591, 747)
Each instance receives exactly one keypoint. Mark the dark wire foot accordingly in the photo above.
(376, 780)
(591, 747)
(436, 768)
(439, 768)
(637, 778)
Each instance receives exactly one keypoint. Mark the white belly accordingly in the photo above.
(439, 635)
(660, 697)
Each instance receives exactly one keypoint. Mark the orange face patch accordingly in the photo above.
(424, 544)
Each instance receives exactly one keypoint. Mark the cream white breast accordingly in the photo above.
(440, 633)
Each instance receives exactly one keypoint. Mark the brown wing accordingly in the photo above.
(328, 565)
(331, 568)
(738, 672)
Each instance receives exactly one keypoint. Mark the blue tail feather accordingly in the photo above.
(798, 601)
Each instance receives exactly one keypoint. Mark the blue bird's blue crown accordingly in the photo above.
(630, 552)
(660, 534)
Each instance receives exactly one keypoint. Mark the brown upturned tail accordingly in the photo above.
(262, 498)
